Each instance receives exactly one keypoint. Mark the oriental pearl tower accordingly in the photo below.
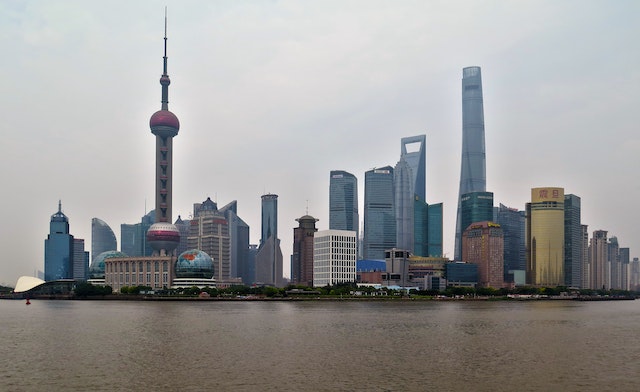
(163, 236)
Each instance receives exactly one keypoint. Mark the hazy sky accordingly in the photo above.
(273, 95)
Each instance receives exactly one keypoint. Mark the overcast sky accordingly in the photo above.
(273, 95)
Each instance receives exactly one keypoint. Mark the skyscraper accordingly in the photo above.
(102, 238)
(572, 242)
(64, 256)
(239, 241)
(409, 184)
(598, 261)
(343, 201)
(163, 235)
(475, 207)
(58, 248)
(613, 264)
(473, 170)
(512, 223)
(545, 237)
(434, 236)
(302, 257)
(133, 237)
(586, 263)
(269, 255)
(483, 244)
(209, 232)
(379, 213)
(80, 260)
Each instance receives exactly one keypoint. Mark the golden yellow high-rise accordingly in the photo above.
(545, 237)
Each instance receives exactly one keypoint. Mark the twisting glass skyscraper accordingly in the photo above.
(473, 170)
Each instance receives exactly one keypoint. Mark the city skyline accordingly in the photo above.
(260, 87)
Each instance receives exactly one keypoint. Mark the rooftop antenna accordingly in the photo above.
(165, 77)
(307, 211)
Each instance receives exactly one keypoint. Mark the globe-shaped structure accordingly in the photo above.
(194, 263)
(96, 269)
(163, 235)
(164, 123)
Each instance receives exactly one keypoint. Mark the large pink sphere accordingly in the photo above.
(164, 123)
(163, 235)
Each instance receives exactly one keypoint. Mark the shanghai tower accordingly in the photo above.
(473, 171)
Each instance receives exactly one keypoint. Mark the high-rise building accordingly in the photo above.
(343, 201)
(183, 226)
(239, 241)
(586, 263)
(102, 238)
(410, 185)
(209, 232)
(64, 256)
(572, 242)
(473, 170)
(163, 235)
(58, 248)
(434, 236)
(624, 268)
(512, 223)
(133, 237)
(483, 244)
(302, 256)
(334, 257)
(613, 264)
(634, 274)
(269, 255)
(80, 260)
(475, 207)
(545, 237)
(598, 261)
(379, 213)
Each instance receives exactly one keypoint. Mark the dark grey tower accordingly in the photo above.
(473, 170)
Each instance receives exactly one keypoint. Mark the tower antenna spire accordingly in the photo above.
(164, 80)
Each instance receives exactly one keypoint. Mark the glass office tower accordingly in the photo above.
(475, 207)
(572, 242)
(379, 214)
(343, 202)
(102, 238)
(473, 170)
(58, 248)
(410, 190)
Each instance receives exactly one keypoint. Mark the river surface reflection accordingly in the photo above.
(320, 346)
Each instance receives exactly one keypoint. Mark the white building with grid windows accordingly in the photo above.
(334, 257)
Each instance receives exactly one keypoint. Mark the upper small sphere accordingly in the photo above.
(164, 80)
(164, 123)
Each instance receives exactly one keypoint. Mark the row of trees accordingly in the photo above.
(89, 290)
(341, 290)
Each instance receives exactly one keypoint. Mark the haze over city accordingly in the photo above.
(272, 96)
